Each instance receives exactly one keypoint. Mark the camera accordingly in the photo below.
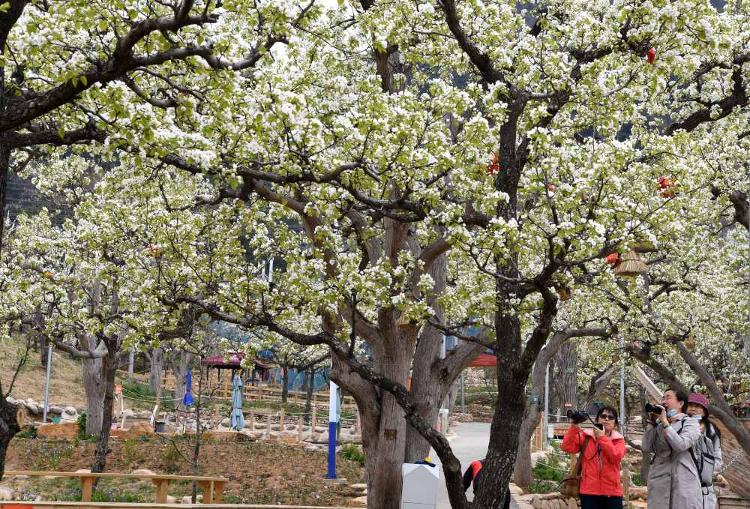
(577, 416)
(654, 409)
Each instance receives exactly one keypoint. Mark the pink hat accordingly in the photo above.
(698, 399)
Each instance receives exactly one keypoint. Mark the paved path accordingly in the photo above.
(469, 443)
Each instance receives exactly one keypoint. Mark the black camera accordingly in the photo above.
(654, 409)
(577, 416)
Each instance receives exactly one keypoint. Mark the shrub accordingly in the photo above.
(353, 453)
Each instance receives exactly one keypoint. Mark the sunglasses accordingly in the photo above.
(608, 417)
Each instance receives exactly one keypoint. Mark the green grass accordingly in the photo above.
(549, 472)
(353, 452)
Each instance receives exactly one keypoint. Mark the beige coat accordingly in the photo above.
(673, 481)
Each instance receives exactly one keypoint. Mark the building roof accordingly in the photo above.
(484, 360)
(232, 361)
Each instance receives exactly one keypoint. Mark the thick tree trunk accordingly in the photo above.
(94, 386)
(427, 385)
(108, 370)
(157, 365)
(9, 426)
(284, 383)
(180, 362)
(567, 388)
(309, 394)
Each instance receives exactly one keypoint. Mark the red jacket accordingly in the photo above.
(601, 461)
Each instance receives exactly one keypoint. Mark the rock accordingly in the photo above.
(528, 498)
(69, 414)
(187, 499)
(33, 407)
(359, 486)
(361, 501)
(514, 489)
(143, 471)
(226, 422)
(320, 429)
(572, 503)
(171, 499)
(54, 409)
(6, 493)
(128, 413)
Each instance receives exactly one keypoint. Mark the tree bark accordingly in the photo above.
(309, 394)
(94, 386)
(284, 383)
(108, 371)
(157, 365)
(180, 362)
(9, 427)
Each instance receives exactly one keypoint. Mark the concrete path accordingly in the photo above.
(469, 443)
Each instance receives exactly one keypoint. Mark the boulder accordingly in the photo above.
(6, 493)
(638, 492)
(226, 422)
(128, 413)
(514, 489)
(69, 414)
(55, 409)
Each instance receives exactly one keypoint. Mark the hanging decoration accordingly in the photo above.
(631, 265)
(551, 187)
(565, 293)
(612, 259)
(494, 165)
(651, 55)
(666, 186)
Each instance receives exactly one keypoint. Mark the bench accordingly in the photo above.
(212, 487)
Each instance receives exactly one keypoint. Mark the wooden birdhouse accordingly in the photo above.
(565, 293)
(631, 265)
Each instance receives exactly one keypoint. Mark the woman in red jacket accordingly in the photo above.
(601, 487)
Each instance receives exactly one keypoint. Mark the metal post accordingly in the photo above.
(545, 421)
(333, 420)
(270, 271)
(46, 383)
(622, 386)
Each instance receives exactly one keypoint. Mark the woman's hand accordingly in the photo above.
(598, 433)
(663, 417)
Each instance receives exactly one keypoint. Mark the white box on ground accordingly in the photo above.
(420, 486)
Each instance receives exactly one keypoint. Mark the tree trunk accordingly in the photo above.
(197, 448)
(180, 362)
(4, 173)
(427, 385)
(108, 371)
(309, 394)
(567, 360)
(131, 364)
(284, 383)
(157, 365)
(9, 426)
(94, 386)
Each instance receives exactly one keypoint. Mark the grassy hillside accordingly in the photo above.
(66, 387)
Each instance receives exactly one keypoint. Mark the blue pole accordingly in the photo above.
(333, 419)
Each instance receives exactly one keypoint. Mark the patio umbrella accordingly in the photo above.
(237, 420)
(187, 400)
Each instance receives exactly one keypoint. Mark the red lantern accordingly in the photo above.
(494, 165)
(651, 55)
(612, 258)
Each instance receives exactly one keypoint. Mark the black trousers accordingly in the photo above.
(600, 502)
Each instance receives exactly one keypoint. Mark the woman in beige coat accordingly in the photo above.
(673, 481)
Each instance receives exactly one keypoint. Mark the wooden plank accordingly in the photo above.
(162, 487)
(131, 505)
(87, 488)
(113, 475)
